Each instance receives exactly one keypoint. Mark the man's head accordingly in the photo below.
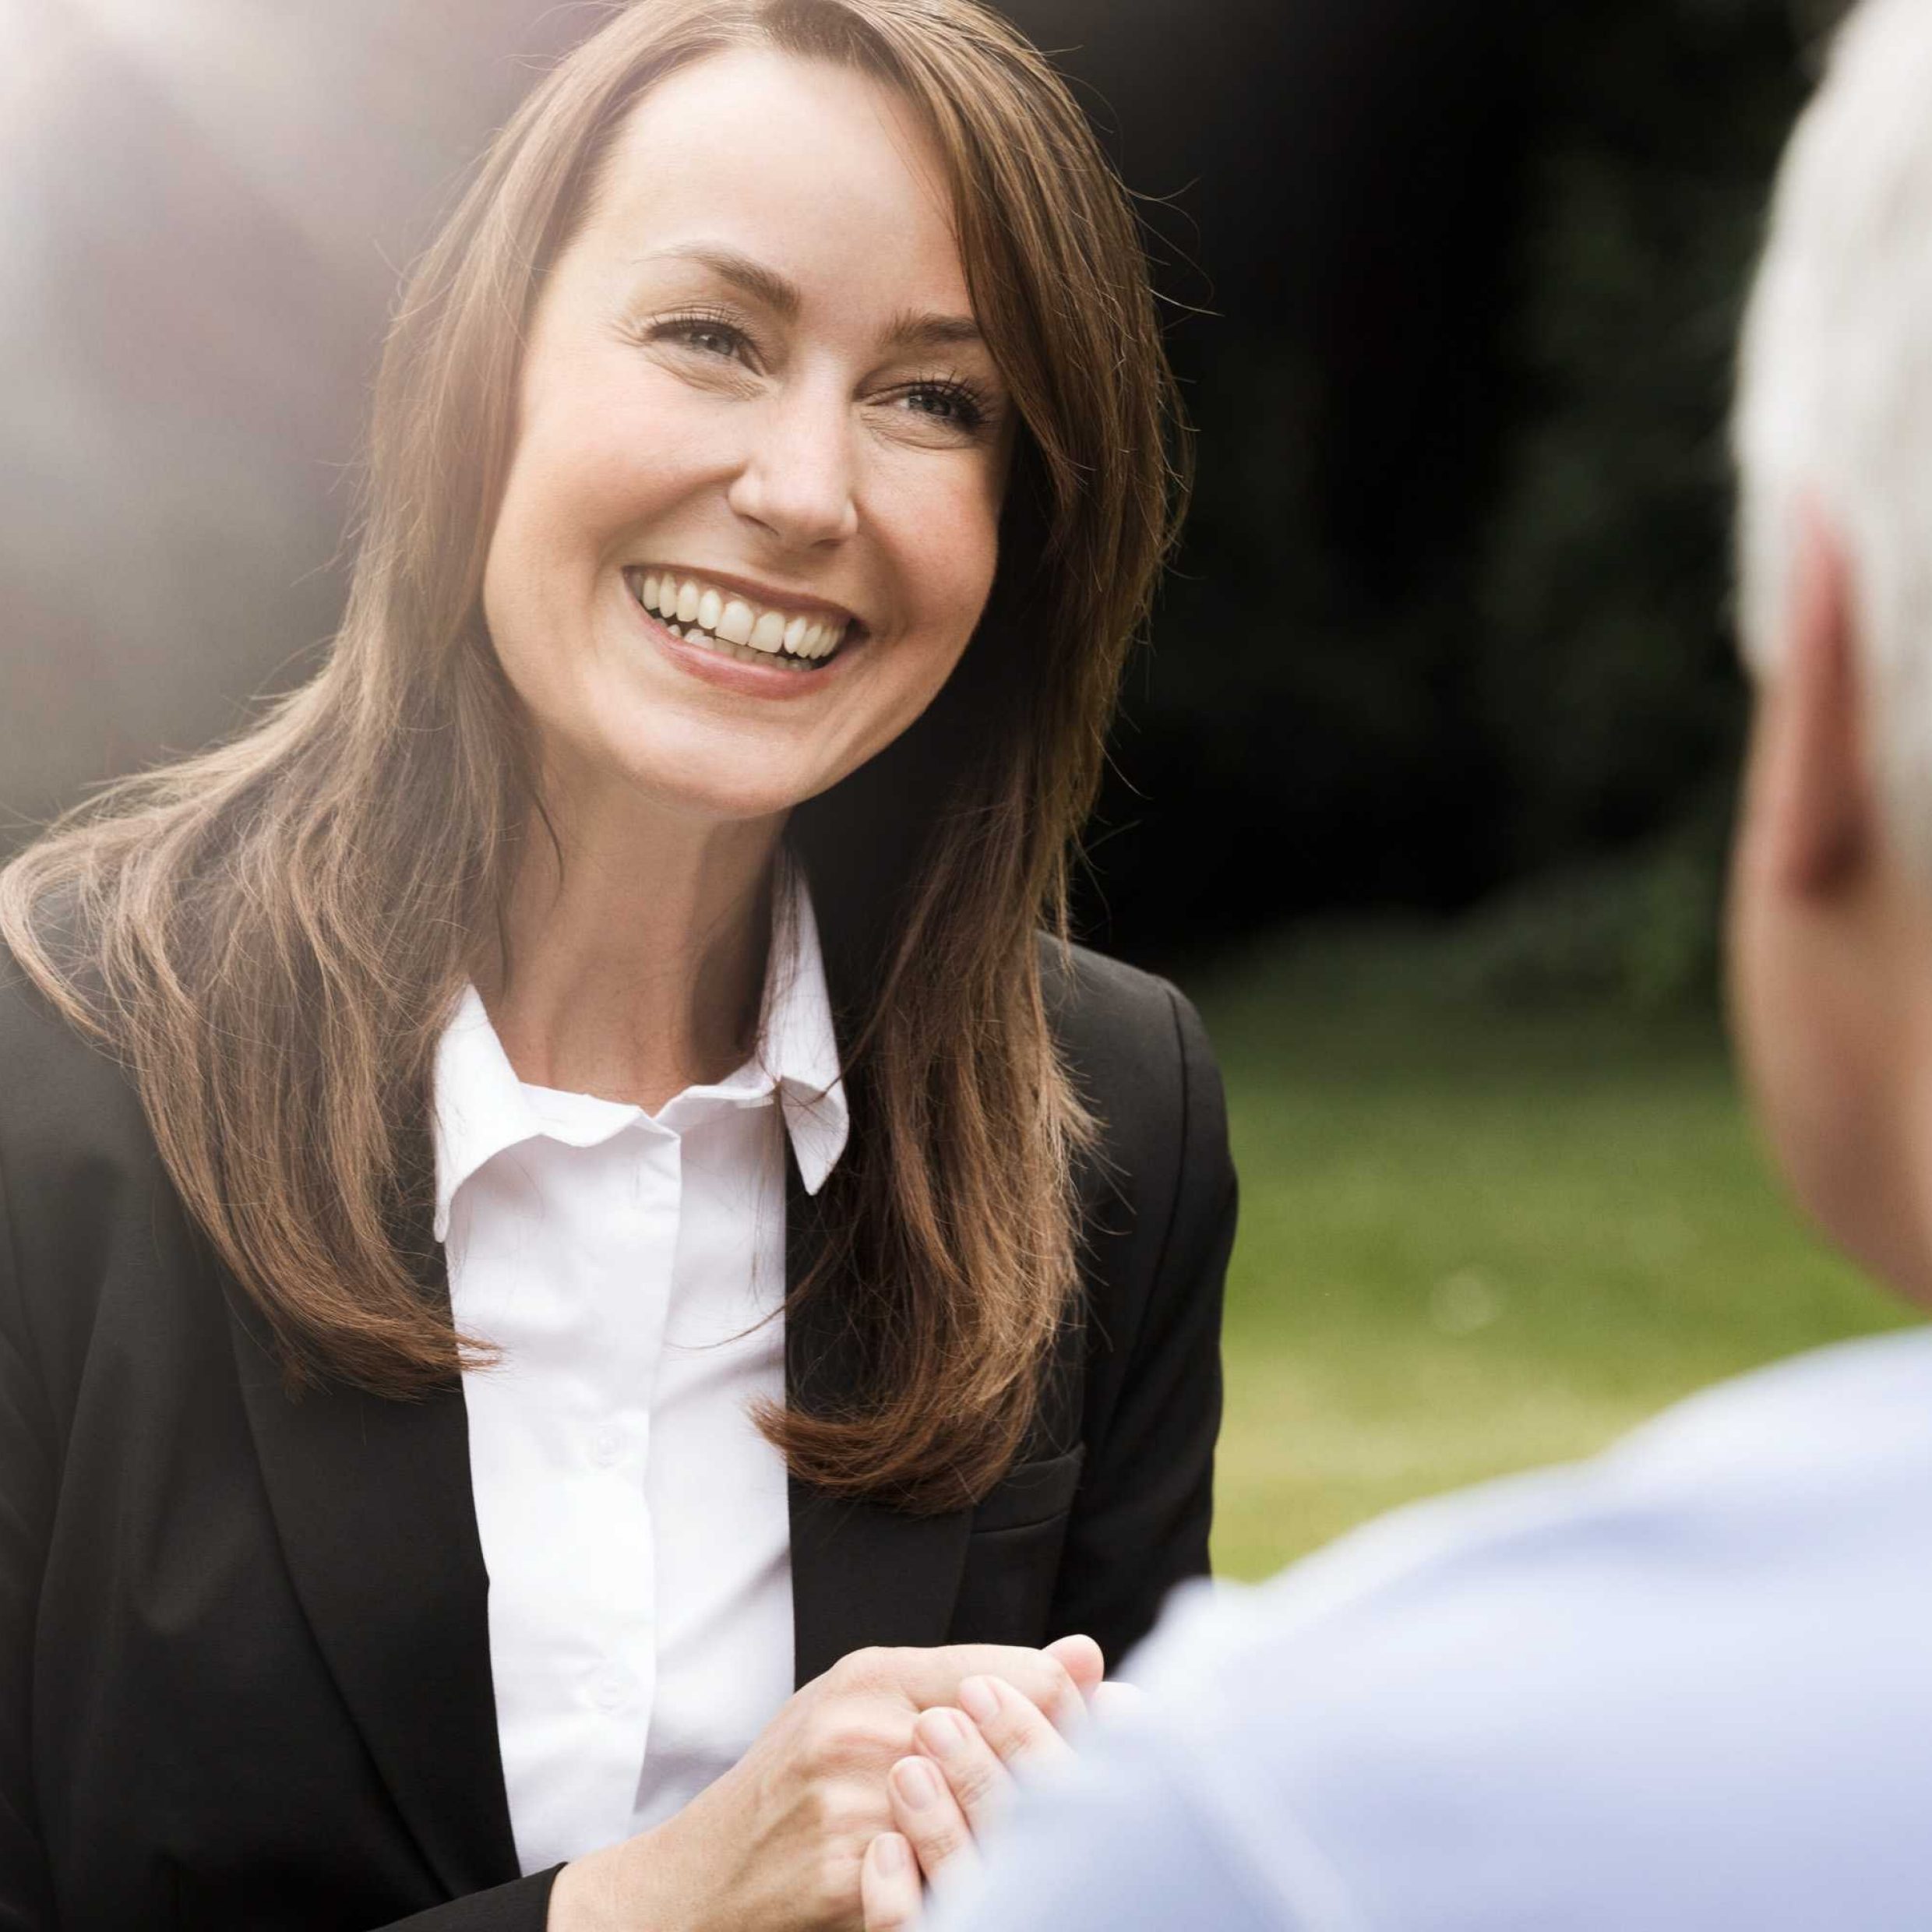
(1830, 923)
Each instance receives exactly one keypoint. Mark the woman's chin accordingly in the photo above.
(711, 775)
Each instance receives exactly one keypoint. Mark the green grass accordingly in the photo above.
(1472, 1242)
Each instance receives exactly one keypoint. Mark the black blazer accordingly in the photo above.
(244, 1670)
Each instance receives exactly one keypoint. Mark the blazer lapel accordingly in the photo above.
(373, 1502)
(861, 1574)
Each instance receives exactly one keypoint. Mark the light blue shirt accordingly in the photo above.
(1688, 1684)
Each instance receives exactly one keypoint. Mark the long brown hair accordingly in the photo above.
(271, 934)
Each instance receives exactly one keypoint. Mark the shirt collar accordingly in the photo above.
(480, 1107)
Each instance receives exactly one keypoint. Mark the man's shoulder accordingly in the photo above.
(1693, 1662)
(1795, 1443)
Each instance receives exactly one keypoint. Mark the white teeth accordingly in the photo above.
(732, 625)
(744, 652)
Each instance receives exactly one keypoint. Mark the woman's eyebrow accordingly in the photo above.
(912, 331)
(765, 285)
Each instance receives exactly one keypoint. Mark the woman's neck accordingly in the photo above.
(636, 964)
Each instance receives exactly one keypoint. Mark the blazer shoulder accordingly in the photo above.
(76, 1151)
(59, 1084)
(88, 1214)
(1107, 1015)
(1138, 1052)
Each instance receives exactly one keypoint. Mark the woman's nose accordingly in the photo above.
(798, 480)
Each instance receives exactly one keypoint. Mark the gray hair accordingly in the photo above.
(1835, 384)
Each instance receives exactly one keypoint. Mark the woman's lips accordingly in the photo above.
(754, 673)
(717, 613)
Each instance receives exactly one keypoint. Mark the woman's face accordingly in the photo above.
(754, 410)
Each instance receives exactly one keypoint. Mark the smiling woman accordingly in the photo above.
(728, 370)
(582, 1253)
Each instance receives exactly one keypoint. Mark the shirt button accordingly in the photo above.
(610, 1688)
(607, 1446)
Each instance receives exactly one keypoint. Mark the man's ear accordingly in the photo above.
(1814, 797)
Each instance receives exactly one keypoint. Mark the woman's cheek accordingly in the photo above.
(959, 530)
(609, 471)
(608, 442)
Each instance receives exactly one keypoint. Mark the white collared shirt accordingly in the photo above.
(634, 1522)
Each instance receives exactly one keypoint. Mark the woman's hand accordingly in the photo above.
(944, 1797)
(776, 1845)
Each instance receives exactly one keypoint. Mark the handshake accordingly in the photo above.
(874, 1781)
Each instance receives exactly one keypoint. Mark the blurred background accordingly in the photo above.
(1423, 784)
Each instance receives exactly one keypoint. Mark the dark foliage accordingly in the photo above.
(1453, 616)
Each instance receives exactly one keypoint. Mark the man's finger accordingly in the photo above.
(1012, 1724)
(974, 1771)
(889, 1885)
(1086, 1663)
(929, 1817)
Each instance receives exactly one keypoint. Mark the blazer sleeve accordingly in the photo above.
(26, 1503)
(522, 1906)
(1140, 1520)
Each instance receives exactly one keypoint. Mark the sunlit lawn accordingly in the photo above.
(1472, 1241)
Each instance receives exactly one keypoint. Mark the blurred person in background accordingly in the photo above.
(619, 974)
(1686, 1684)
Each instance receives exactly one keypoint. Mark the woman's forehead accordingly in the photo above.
(819, 173)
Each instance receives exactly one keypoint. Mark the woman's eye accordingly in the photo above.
(706, 337)
(951, 404)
